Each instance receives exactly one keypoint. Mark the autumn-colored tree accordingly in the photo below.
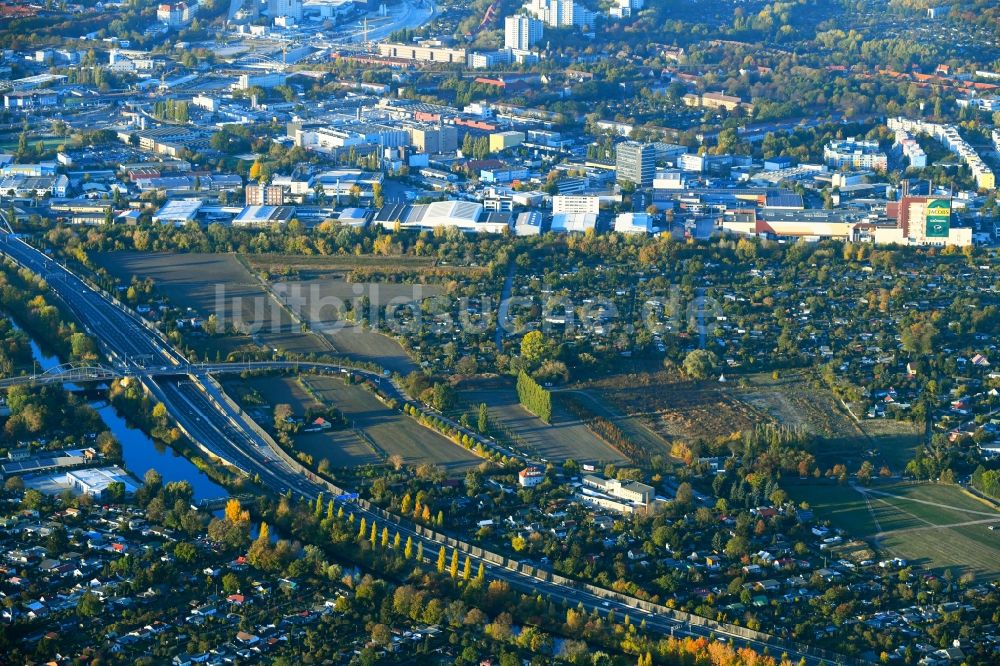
(235, 513)
(441, 561)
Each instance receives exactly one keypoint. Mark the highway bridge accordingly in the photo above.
(214, 423)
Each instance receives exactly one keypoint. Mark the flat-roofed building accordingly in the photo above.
(635, 163)
(96, 481)
(265, 195)
(258, 216)
(426, 52)
(178, 212)
(503, 140)
(576, 204)
(639, 495)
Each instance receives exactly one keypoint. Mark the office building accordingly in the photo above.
(623, 497)
(576, 204)
(923, 221)
(521, 32)
(635, 163)
(265, 195)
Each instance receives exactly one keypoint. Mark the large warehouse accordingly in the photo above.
(466, 216)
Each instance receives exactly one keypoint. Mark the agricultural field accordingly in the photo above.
(566, 438)
(936, 526)
(322, 301)
(216, 284)
(343, 448)
(392, 432)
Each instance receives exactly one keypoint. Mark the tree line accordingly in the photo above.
(533, 397)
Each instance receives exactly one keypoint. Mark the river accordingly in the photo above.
(139, 451)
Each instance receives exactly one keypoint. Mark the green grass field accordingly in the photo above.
(935, 526)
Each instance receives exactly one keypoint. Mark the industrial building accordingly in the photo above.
(433, 52)
(466, 216)
(500, 141)
(95, 481)
(259, 216)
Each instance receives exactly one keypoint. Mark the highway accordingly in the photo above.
(217, 425)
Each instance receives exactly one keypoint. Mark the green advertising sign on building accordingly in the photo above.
(938, 218)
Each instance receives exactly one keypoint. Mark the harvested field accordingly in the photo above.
(322, 303)
(678, 410)
(392, 432)
(343, 448)
(216, 284)
(566, 438)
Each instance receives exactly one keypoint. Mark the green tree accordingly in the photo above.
(483, 422)
(699, 364)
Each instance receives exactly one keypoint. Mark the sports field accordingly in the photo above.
(933, 525)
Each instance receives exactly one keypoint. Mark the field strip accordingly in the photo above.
(904, 511)
(993, 514)
(903, 530)
(280, 303)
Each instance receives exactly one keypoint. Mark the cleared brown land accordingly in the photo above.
(567, 437)
(343, 448)
(679, 410)
(393, 432)
(632, 426)
(216, 284)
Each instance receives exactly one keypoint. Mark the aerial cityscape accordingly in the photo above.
(500, 332)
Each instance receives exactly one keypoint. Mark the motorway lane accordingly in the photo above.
(224, 431)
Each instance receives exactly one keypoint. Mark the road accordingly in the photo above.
(217, 425)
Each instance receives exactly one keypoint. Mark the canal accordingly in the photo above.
(139, 451)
